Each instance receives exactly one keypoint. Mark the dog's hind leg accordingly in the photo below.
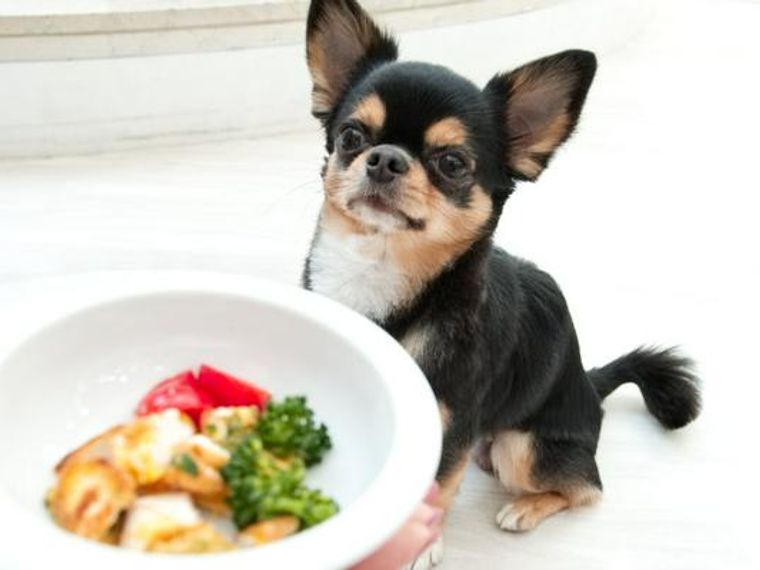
(545, 475)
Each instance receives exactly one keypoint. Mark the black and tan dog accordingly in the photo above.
(420, 163)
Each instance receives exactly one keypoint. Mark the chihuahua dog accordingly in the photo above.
(419, 165)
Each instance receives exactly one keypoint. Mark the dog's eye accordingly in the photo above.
(452, 165)
(352, 139)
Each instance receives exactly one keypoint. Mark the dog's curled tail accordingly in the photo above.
(666, 380)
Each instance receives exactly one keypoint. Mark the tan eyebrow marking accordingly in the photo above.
(371, 112)
(446, 132)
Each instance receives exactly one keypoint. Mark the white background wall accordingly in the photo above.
(85, 92)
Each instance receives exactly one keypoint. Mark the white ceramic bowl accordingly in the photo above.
(85, 371)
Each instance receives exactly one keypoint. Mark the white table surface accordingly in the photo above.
(649, 220)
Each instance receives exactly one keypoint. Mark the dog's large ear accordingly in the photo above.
(341, 42)
(538, 106)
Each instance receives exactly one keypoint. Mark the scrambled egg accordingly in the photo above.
(145, 447)
(169, 523)
(228, 425)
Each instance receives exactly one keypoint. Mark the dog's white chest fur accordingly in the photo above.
(357, 271)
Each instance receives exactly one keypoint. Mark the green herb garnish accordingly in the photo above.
(186, 464)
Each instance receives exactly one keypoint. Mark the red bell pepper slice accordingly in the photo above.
(181, 392)
(226, 390)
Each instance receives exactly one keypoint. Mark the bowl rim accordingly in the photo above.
(360, 528)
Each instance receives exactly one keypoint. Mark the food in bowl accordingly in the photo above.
(205, 450)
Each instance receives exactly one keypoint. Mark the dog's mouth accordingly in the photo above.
(379, 204)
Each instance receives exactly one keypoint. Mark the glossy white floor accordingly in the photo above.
(648, 219)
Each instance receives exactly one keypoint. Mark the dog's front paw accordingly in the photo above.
(512, 517)
(527, 512)
(430, 557)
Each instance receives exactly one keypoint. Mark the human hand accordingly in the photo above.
(419, 532)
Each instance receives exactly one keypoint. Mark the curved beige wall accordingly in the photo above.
(37, 30)
(92, 93)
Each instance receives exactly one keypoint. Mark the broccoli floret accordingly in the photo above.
(288, 428)
(263, 485)
(253, 475)
(309, 505)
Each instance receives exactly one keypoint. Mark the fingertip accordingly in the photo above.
(424, 513)
(435, 535)
(433, 492)
(435, 518)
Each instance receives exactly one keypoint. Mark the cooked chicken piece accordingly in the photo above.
(228, 425)
(146, 446)
(269, 530)
(192, 476)
(194, 469)
(99, 447)
(203, 449)
(214, 504)
(159, 487)
(89, 497)
(154, 517)
(199, 539)
(114, 533)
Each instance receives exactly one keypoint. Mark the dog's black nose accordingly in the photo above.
(385, 163)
